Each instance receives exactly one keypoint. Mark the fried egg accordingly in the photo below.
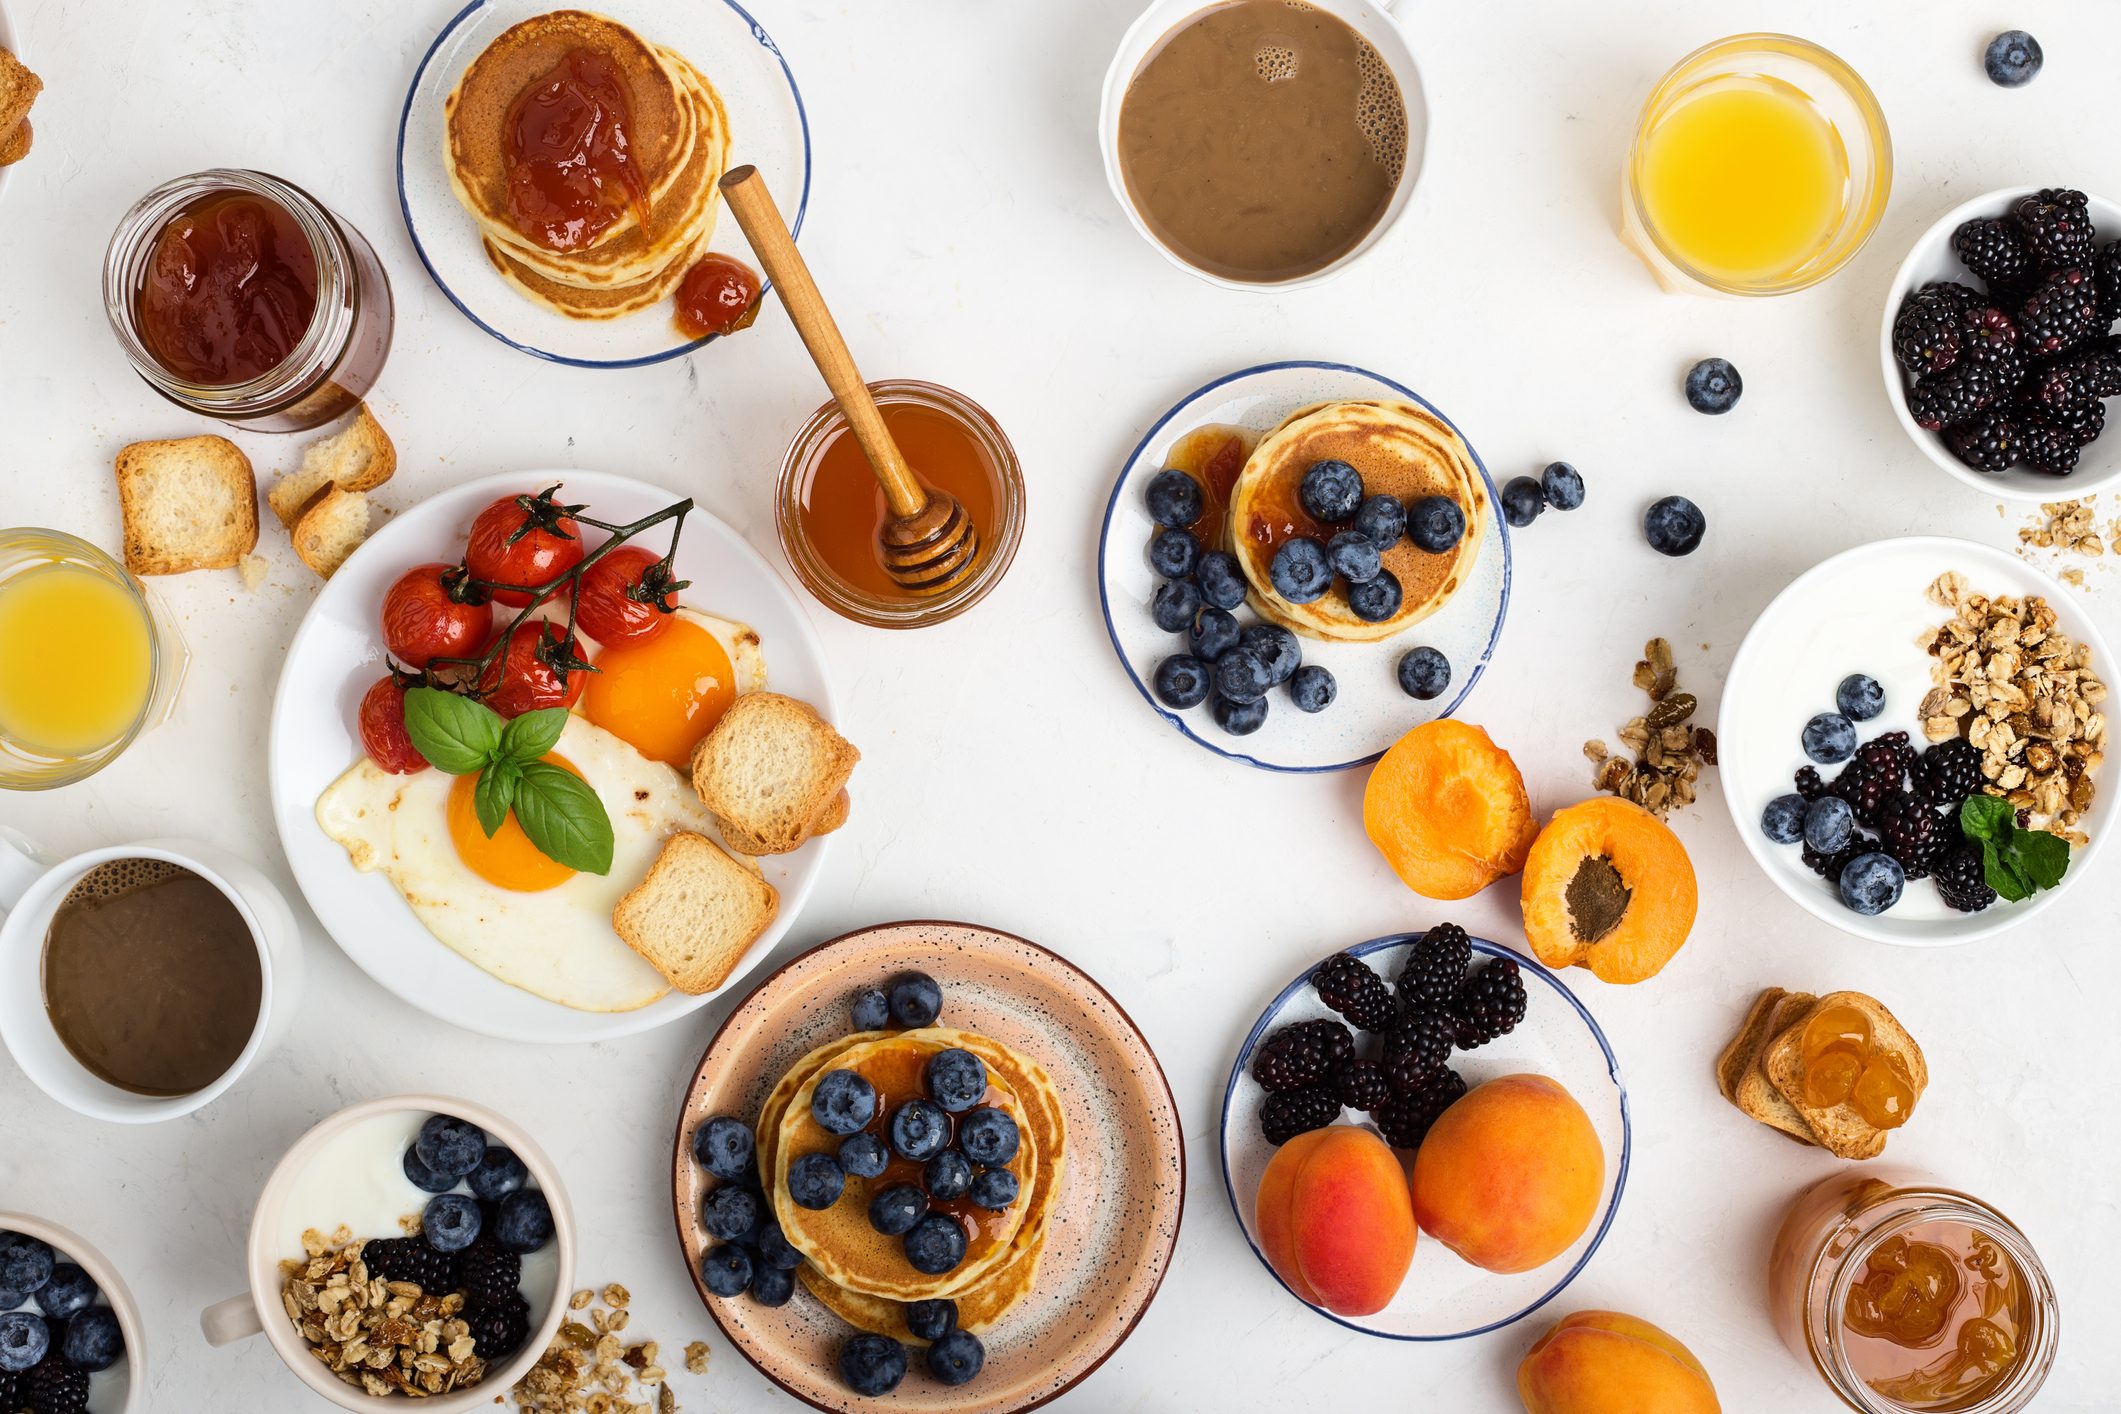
(663, 694)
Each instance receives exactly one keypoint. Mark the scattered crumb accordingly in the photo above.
(253, 569)
(588, 1370)
(2072, 576)
(2069, 528)
(696, 1357)
(1669, 753)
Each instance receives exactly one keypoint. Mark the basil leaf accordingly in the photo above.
(495, 793)
(533, 734)
(454, 733)
(2002, 876)
(564, 818)
(1985, 817)
(2041, 857)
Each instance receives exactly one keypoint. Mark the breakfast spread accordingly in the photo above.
(18, 92)
(1837, 1071)
(57, 1332)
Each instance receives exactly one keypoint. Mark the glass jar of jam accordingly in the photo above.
(828, 506)
(239, 296)
(1909, 1298)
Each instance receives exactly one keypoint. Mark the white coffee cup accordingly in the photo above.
(31, 890)
(1369, 18)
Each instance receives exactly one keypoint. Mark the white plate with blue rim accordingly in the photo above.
(768, 129)
(1445, 1297)
(1370, 710)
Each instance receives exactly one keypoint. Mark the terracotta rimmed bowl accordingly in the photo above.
(1116, 1222)
(122, 1388)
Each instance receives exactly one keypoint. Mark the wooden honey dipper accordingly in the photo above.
(929, 543)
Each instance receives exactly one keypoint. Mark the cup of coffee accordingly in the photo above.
(1263, 144)
(138, 981)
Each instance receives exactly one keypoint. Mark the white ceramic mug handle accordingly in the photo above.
(229, 1321)
(21, 864)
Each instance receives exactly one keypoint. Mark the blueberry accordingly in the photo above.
(451, 1220)
(1173, 499)
(1330, 491)
(894, 1210)
(957, 1358)
(1522, 501)
(956, 1079)
(936, 1245)
(1872, 883)
(864, 1156)
(1221, 580)
(1562, 485)
(871, 1009)
(931, 1320)
(69, 1290)
(1828, 738)
(2013, 59)
(1242, 675)
(1214, 632)
(1377, 600)
(1674, 526)
(1783, 819)
(1860, 697)
(873, 1365)
(1174, 604)
(24, 1337)
(1435, 524)
(1181, 681)
(919, 1130)
(424, 1178)
(1424, 673)
(1174, 553)
(25, 1266)
(994, 1188)
(727, 1270)
(775, 1250)
(93, 1340)
(1829, 824)
(1713, 386)
(1276, 647)
(843, 1102)
(1299, 571)
(1381, 520)
(450, 1145)
(724, 1147)
(988, 1136)
(948, 1176)
(1312, 688)
(916, 1000)
(771, 1286)
(499, 1174)
(1351, 556)
(1239, 718)
(816, 1181)
(731, 1214)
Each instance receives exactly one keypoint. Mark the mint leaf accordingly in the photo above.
(2002, 875)
(563, 818)
(1982, 817)
(533, 734)
(2041, 857)
(495, 793)
(454, 733)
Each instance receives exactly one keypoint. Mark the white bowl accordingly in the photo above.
(122, 1388)
(1934, 259)
(1861, 611)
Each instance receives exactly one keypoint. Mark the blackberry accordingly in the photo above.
(1490, 1004)
(2057, 226)
(1876, 771)
(488, 1275)
(1361, 1085)
(1435, 965)
(1417, 1048)
(1997, 252)
(1809, 785)
(1951, 294)
(1911, 833)
(2057, 387)
(2082, 424)
(1405, 1119)
(1987, 443)
(411, 1259)
(2100, 371)
(1949, 772)
(1947, 399)
(1294, 1112)
(2062, 313)
(2106, 277)
(2050, 449)
(12, 1396)
(498, 1331)
(1962, 879)
(1301, 1056)
(1829, 866)
(53, 1386)
(1346, 984)
(1926, 334)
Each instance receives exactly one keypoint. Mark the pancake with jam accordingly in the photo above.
(1400, 450)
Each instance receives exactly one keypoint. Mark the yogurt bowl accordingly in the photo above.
(120, 1389)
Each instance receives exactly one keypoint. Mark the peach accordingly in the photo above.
(1511, 1175)
(1602, 1362)
(1335, 1221)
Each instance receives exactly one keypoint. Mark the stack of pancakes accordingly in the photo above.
(862, 1275)
(1401, 450)
(678, 135)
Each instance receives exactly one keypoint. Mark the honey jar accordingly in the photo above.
(1910, 1298)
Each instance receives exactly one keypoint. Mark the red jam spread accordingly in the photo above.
(228, 291)
(720, 295)
(571, 172)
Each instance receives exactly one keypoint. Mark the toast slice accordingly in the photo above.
(188, 504)
(831, 818)
(15, 146)
(769, 771)
(1840, 1129)
(836, 812)
(359, 458)
(696, 914)
(1748, 1088)
(18, 90)
(331, 527)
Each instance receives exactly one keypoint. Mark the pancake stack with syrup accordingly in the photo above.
(588, 157)
(1402, 450)
(862, 1275)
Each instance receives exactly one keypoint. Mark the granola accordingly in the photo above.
(2070, 527)
(1667, 751)
(588, 1370)
(382, 1337)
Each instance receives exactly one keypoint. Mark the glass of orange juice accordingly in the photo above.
(87, 662)
(1761, 165)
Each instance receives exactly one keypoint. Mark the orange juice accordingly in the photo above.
(77, 659)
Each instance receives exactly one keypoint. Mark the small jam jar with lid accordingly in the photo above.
(1909, 1298)
(240, 296)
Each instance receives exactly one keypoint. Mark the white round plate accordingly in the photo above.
(1862, 612)
(768, 128)
(1932, 258)
(1445, 1297)
(337, 654)
(1371, 711)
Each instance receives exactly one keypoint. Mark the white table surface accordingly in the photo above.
(1010, 774)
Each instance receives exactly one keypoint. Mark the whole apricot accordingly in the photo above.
(1510, 1176)
(1603, 1362)
(1335, 1221)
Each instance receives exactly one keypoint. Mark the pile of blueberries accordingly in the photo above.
(47, 1355)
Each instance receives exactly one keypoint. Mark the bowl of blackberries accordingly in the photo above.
(1999, 344)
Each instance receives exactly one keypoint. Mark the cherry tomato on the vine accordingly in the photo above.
(422, 621)
(383, 734)
(606, 610)
(522, 680)
(497, 554)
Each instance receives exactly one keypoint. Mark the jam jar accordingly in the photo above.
(240, 296)
(1911, 1298)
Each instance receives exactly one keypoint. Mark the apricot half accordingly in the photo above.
(1608, 886)
(1510, 1175)
(1447, 809)
(1335, 1221)
(1603, 1362)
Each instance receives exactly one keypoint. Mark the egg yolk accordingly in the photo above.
(506, 859)
(662, 695)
